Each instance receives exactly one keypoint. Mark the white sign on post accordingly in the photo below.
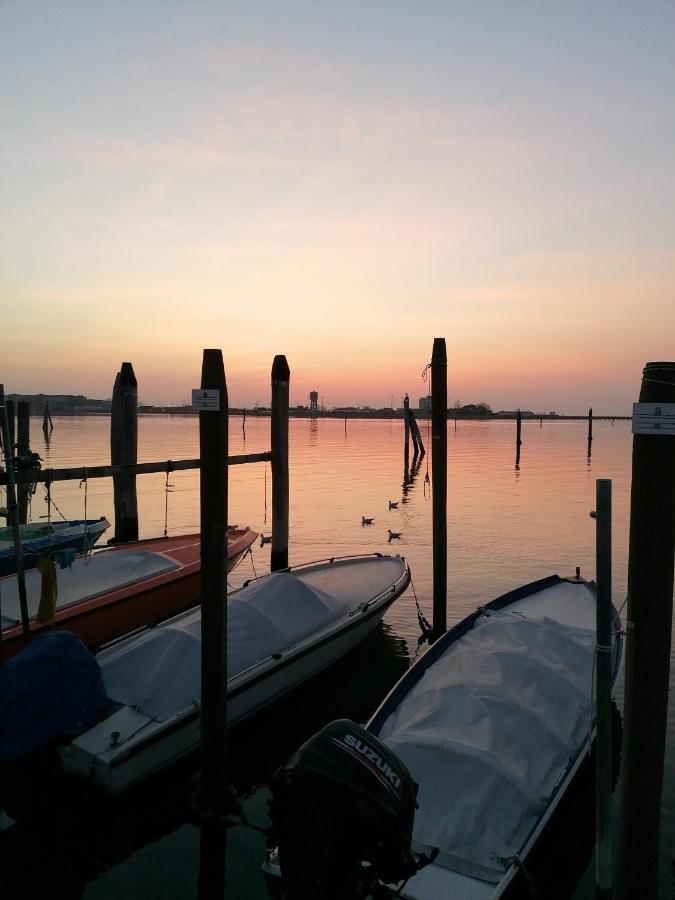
(206, 401)
(653, 418)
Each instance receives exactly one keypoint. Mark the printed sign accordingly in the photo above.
(205, 401)
(653, 418)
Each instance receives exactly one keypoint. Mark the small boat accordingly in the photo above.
(283, 628)
(37, 538)
(485, 734)
(118, 589)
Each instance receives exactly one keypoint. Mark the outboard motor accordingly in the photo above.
(343, 809)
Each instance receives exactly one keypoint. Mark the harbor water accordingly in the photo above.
(506, 527)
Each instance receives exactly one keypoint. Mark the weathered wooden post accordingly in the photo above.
(213, 482)
(603, 690)
(124, 452)
(439, 466)
(519, 425)
(648, 629)
(406, 424)
(47, 424)
(11, 421)
(590, 432)
(281, 376)
(12, 516)
(22, 449)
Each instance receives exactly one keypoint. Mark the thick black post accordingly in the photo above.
(519, 425)
(648, 630)
(11, 421)
(603, 690)
(124, 452)
(590, 433)
(22, 449)
(281, 376)
(406, 423)
(439, 465)
(47, 424)
(12, 516)
(213, 450)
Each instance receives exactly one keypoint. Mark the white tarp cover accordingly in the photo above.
(488, 731)
(159, 672)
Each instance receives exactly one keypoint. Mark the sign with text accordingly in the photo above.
(653, 418)
(205, 401)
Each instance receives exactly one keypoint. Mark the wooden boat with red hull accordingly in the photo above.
(117, 590)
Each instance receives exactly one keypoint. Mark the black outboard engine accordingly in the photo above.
(343, 809)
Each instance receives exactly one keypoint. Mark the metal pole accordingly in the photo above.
(213, 436)
(22, 450)
(439, 465)
(603, 688)
(13, 518)
(648, 630)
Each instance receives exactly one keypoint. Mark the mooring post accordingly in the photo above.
(590, 433)
(213, 483)
(124, 452)
(11, 421)
(281, 376)
(439, 466)
(12, 516)
(603, 689)
(22, 450)
(648, 630)
(406, 429)
(47, 424)
(519, 425)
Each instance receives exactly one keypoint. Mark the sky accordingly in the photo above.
(341, 183)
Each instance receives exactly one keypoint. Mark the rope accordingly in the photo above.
(84, 481)
(656, 381)
(50, 501)
(425, 627)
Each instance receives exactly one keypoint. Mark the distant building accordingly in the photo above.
(424, 403)
(313, 402)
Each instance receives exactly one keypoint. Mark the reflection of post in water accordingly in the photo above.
(410, 473)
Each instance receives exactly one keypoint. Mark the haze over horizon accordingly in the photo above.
(339, 183)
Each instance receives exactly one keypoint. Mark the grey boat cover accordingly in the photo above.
(87, 577)
(159, 671)
(488, 731)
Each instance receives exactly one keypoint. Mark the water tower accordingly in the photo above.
(313, 403)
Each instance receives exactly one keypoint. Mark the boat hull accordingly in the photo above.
(79, 536)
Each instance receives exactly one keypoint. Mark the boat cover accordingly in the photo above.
(51, 687)
(159, 671)
(89, 577)
(488, 731)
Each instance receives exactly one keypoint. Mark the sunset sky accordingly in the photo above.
(340, 182)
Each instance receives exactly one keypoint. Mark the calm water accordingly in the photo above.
(505, 528)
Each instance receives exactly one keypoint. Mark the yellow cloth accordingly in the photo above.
(49, 590)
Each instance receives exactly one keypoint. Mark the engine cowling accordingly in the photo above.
(343, 809)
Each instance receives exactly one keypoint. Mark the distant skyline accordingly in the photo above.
(340, 183)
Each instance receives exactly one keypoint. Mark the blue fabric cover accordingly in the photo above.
(52, 686)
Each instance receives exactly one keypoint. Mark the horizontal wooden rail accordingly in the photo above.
(82, 473)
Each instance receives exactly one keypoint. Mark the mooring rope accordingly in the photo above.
(167, 490)
(423, 622)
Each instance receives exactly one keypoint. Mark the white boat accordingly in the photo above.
(492, 723)
(282, 629)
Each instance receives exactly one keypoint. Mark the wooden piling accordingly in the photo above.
(406, 428)
(124, 452)
(589, 449)
(439, 465)
(47, 424)
(519, 425)
(13, 518)
(416, 435)
(11, 421)
(648, 631)
(281, 376)
(213, 484)
(22, 450)
(603, 690)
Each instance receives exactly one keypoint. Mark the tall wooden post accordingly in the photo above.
(406, 423)
(590, 432)
(648, 630)
(439, 465)
(22, 449)
(12, 517)
(47, 424)
(603, 689)
(124, 452)
(11, 422)
(519, 425)
(281, 376)
(213, 481)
